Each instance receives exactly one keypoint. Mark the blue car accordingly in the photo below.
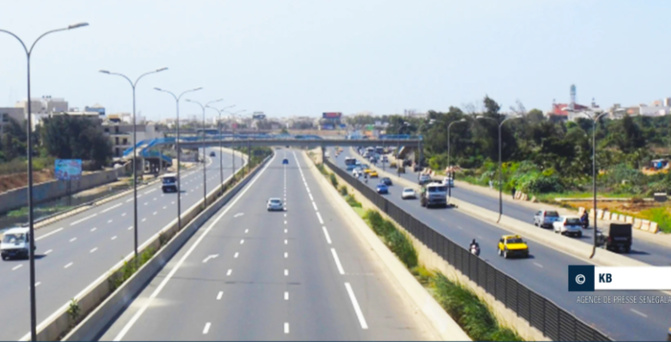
(285, 161)
(382, 188)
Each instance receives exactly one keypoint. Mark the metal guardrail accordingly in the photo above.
(541, 313)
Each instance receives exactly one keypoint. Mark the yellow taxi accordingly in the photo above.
(373, 174)
(512, 245)
(367, 170)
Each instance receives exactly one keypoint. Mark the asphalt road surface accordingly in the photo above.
(250, 274)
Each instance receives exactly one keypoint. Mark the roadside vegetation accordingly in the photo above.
(472, 314)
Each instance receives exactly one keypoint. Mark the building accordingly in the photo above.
(8, 113)
(657, 108)
(121, 135)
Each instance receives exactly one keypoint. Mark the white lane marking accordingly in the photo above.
(130, 228)
(152, 190)
(112, 207)
(320, 218)
(221, 293)
(286, 327)
(207, 328)
(246, 231)
(238, 214)
(286, 242)
(285, 214)
(286, 255)
(242, 241)
(47, 234)
(68, 265)
(17, 267)
(109, 221)
(93, 250)
(160, 287)
(49, 251)
(129, 200)
(211, 256)
(38, 283)
(156, 212)
(286, 231)
(73, 239)
(337, 261)
(83, 219)
(173, 202)
(165, 207)
(311, 198)
(286, 272)
(314, 205)
(537, 264)
(93, 229)
(235, 256)
(155, 198)
(286, 295)
(124, 214)
(114, 237)
(638, 313)
(228, 273)
(460, 228)
(285, 222)
(357, 309)
(146, 203)
(326, 233)
(144, 219)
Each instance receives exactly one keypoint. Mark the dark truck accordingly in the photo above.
(617, 237)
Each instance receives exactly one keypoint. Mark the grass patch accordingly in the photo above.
(660, 215)
(395, 240)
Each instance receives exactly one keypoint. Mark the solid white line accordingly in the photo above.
(73, 239)
(314, 205)
(221, 293)
(537, 264)
(357, 309)
(639, 313)
(286, 327)
(337, 261)
(320, 218)
(326, 233)
(286, 295)
(228, 273)
(207, 328)
(112, 207)
(160, 287)
(235, 255)
(49, 251)
(114, 237)
(93, 250)
(286, 272)
(17, 267)
(242, 241)
(47, 234)
(82, 220)
(68, 265)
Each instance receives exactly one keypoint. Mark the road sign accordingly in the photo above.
(68, 169)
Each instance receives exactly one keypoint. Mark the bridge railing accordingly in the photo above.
(541, 313)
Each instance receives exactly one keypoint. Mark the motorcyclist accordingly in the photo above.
(474, 244)
(365, 177)
(584, 219)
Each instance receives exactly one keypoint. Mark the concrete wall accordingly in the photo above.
(47, 191)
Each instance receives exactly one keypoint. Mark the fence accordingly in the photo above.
(541, 313)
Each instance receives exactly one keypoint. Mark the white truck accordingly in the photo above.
(169, 182)
(434, 195)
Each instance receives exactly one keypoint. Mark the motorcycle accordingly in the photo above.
(584, 221)
(475, 250)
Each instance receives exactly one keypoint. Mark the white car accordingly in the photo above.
(357, 172)
(408, 193)
(15, 243)
(275, 204)
(568, 225)
(448, 181)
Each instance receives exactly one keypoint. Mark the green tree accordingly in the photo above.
(70, 137)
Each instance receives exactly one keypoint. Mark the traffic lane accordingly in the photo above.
(387, 313)
(644, 251)
(76, 253)
(545, 272)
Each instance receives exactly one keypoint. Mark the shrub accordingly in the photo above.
(343, 190)
(399, 243)
(352, 201)
(334, 180)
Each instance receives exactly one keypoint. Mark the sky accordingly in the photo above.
(305, 57)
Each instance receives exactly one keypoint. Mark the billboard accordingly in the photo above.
(331, 115)
(68, 169)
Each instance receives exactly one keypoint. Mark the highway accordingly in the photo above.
(651, 253)
(250, 274)
(72, 253)
(545, 272)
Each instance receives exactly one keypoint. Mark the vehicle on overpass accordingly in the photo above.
(169, 182)
(15, 243)
(434, 195)
(512, 245)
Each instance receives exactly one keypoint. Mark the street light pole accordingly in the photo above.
(449, 166)
(221, 159)
(31, 228)
(204, 165)
(179, 182)
(595, 119)
(133, 86)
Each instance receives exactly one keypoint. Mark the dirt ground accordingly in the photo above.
(17, 180)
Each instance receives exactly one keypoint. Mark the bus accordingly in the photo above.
(350, 163)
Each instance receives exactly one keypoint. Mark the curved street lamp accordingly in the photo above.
(449, 166)
(31, 228)
(179, 183)
(500, 124)
(242, 161)
(133, 85)
(221, 159)
(202, 106)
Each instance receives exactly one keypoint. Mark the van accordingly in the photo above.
(617, 237)
(15, 243)
(169, 182)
